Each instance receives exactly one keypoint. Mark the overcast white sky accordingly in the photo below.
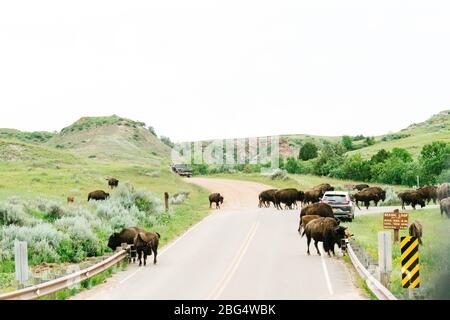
(220, 69)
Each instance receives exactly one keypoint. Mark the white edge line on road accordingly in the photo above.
(218, 290)
(327, 275)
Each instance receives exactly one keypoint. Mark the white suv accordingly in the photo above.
(343, 206)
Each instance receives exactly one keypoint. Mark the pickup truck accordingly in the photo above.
(182, 170)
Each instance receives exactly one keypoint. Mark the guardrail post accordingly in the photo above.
(21, 262)
(385, 257)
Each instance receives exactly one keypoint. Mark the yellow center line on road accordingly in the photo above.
(223, 283)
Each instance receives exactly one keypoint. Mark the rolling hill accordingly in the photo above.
(412, 138)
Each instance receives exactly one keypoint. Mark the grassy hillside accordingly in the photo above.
(111, 139)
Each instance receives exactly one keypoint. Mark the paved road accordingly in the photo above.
(238, 253)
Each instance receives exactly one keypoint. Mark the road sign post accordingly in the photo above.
(396, 221)
(385, 257)
(21, 262)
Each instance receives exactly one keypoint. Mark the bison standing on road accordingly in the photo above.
(113, 183)
(288, 197)
(145, 243)
(98, 195)
(267, 197)
(324, 188)
(416, 230)
(443, 191)
(366, 196)
(411, 197)
(361, 187)
(217, 199)
(322, 210)
(324, 230)
(125, 236)
(428, 194)
(312, 196)
(445, 206)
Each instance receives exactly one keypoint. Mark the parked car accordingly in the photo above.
(182, 170)
(342, 204)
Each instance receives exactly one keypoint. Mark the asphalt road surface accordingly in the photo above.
(241, 252)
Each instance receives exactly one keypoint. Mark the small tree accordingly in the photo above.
(434, 158)
(381, 156)
(292, 165)
(347, 142)
(308, 152)
(370, 141)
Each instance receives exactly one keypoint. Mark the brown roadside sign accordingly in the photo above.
(396, 220)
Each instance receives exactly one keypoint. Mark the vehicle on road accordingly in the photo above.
(182, 170)
(342, 204)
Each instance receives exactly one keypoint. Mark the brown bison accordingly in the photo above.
(267, 197)
(217, 199)
(361, 187)
(113, 183)
(305, 220)
(411, 197)
(125, 236)
(324, 230)
(445, 206)
(70, 199)
(145, 243)
(428, 193)
(366, 196)
(416, 230)
(289, 197)
(312, 196)
(324, 187)
(98, 195)
(322, 210)
(443, 191)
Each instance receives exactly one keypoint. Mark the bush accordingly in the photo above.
(11, 213)
(308, 151)
(279, 174)
(391, 196)
(52, 209)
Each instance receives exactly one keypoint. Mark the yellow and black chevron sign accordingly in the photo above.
(410, 262)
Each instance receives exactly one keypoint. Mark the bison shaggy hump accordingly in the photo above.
(318, 209)
(98, 195)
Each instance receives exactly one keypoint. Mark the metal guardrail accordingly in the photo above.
(41, 290)
(374, 285)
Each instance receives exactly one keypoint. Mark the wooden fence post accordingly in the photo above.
(166, 201)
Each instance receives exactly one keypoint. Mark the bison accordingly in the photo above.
(361, 187)
(312, 196)
(445, 207)
(416, 230)
(428, 193)
(366, 196)
(145, 243)
(324, 230)
(113, 183)
(411, 197)
(267, 197)
(98, 195)
(125, 236)
(288, 197)
(443, 191)
(322, 210)
(380, 192)
(217, 199)
(70, 199)
(305, 220)
(324, 188)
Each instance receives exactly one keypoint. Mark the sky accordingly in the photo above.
(225, 69)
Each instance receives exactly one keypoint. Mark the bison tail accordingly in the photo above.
(159, 236)
(304, 232)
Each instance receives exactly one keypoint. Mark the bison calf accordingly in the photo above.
(125, 236)
(145, 243)
(416, 230)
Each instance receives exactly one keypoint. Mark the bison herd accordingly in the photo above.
(317, 220)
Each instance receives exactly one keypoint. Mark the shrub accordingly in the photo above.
(53, 209)
(308, 151)
(279, 174)
(11, 213)
(391, 196)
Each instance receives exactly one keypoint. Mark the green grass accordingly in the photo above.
(434, 254)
